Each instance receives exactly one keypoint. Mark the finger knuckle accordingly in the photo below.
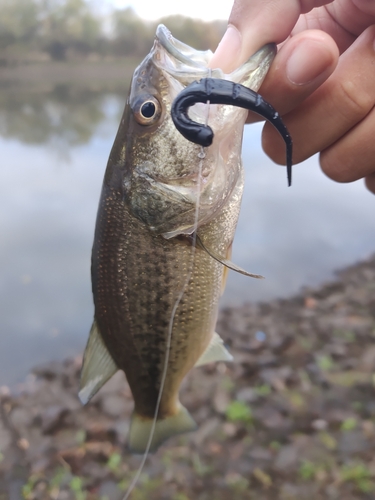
(353, 102)
(335, 168)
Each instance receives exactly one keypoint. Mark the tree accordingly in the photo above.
(18, 21)
(68, 24)
(195, 32)
(132, 35)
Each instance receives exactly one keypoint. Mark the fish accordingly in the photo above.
(165, 225)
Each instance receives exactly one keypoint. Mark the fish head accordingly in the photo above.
(163, 175)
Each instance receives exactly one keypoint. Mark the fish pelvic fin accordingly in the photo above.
(141, 428)
(97, 367)
(216, 351)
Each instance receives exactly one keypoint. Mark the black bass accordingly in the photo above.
(142, 252)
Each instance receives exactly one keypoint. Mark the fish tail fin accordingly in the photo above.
(141, 428)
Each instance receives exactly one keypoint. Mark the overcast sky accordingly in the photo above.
(154, 9)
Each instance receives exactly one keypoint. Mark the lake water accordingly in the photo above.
(54, 148)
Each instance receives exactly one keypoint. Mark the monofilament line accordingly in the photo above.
(135, 479)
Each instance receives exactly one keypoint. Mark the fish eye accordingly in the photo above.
(147, 110)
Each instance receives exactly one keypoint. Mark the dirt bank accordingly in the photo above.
(292, 418)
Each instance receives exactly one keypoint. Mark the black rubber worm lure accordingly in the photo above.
(218, 91)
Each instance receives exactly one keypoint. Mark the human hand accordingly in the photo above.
(322, 80)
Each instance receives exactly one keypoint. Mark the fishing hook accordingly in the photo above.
(219, 91)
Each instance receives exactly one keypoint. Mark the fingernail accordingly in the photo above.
(228, 50)
(304, 65)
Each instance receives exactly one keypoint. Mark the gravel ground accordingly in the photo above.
(292, 418)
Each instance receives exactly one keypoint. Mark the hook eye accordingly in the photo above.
(218, 91)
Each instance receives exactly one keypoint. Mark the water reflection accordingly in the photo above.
(63, 116)
(294, 236)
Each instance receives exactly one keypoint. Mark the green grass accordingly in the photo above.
(263, 390)
(238, 411)
(359, 474)
(307, 470)
(114, 462)
(77, 487)
(349, 424)
(325, 362)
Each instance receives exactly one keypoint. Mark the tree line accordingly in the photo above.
(70, 29)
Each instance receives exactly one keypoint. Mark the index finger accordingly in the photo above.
(253, 23)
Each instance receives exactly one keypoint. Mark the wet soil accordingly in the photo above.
(292, 418)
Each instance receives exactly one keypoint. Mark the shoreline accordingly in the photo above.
(293, 417)
(98, 74)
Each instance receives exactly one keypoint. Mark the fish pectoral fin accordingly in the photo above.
(216, 351)
(97, 367)
(226, 262)
(141, 428)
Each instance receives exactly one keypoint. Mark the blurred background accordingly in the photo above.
(65, 67)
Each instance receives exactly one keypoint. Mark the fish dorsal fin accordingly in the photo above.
(226, 262)
(98, 366)
(215, 351)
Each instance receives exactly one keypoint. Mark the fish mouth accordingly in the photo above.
(180, 51)
(179, 60)
(186, 64)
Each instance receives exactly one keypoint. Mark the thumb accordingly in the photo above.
(253, 23)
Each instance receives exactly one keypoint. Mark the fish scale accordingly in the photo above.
(136, 319)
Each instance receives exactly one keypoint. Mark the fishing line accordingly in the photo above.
(201, 156)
